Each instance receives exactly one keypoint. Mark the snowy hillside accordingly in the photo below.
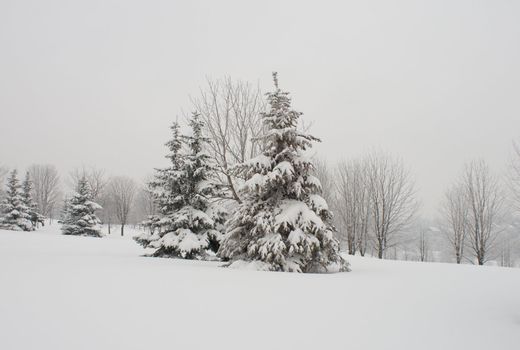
(61, 292)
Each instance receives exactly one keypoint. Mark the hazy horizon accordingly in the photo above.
(99, 82)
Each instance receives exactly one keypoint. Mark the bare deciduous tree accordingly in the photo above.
(349, 210)
(352, 204)
(392, 197)
(423, 245)
(46, 182)
(484, 201)
(122, 191)
(231, 113)
(146, 202)
(96, 180)
(455, 212)
(505, 259)
(323, 173)
(107, 214)
(515, 176)
(3, 173)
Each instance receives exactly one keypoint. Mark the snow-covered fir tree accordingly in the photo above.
(27, 198)
(283, 224)
(165, 188)
(15, 214)
(79, 217)
(185, 192)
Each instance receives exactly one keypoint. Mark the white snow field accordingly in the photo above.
(61, 292)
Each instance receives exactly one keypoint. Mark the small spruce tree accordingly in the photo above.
(79, 218)
(15, 215)
(184, 193)
(35, 217)
(165, 189)
(283, 224)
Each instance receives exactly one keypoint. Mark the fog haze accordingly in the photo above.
(436, 83)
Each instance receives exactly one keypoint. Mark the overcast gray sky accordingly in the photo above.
(99, 82)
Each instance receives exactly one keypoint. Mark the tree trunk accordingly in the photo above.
(480, 259)
(122, 230)
(232, 187)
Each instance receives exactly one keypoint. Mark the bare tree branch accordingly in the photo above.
(122, 191)
(95, 177)
(514, 176)
(231, 113)
(46, 182)
(455, 213)
(484, 201)
(352, 204)
(393, 203)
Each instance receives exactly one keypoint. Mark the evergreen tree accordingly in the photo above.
(35, 217)
(79, 216)
(165, 189)
(283, 224)
(14, 212)
(184, 192)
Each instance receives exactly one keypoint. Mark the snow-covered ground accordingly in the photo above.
(59, 292)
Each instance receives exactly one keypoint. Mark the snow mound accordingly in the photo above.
(255, 265)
